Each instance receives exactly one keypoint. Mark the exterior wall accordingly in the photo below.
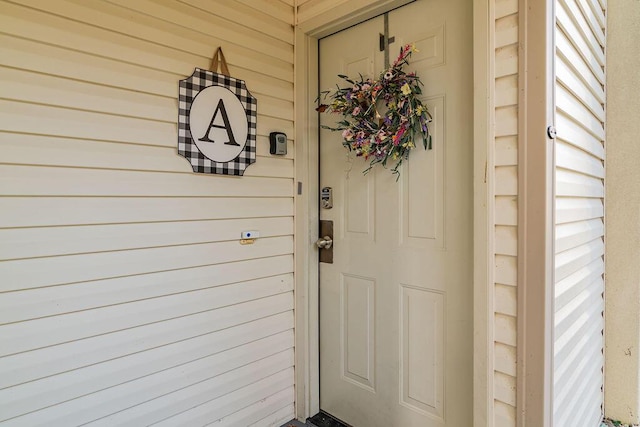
(126, 295)
(622, 355)
(506, 210)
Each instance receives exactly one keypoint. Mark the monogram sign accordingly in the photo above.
(216, 123)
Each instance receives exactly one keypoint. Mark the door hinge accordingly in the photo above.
(384, 42)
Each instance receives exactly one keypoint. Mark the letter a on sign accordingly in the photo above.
(216, 123)
(227, 126)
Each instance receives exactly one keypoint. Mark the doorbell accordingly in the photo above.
(278, 143)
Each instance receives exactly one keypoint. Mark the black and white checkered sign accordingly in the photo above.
(212, 134)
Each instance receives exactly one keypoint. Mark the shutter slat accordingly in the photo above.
(570, 158)
(579, 214)
(570, 132)
(578, 89)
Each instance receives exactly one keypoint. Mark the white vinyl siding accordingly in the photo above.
(125, 295)
(506, 210)
(579, 223)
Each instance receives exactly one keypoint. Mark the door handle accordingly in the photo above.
(325, 242)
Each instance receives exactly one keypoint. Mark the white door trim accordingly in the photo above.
(483, 212)
(306, 205)
(536, 231)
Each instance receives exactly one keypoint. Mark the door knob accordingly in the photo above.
(325, 242)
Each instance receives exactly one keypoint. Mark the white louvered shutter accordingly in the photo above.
(579, 213)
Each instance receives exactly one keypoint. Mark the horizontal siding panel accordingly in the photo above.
(64, 122)
(506, 60)
(506, 121)
(29, 55)
(229, 410)
(506, 240)
(60, 31)
(506, 299)
(572, 184)
(51, 151)
(311, 8)
(573, 209)
(40, 272)
(505, 329)
(38, 333)
(52, 241)
(506, 30)
(51, 211)
(152, 398)
(26, 86)
(506, 180)
(20, 180)
(574, 159)
(572, 260)
(150, 27)
(506, 271)
(252, 20)
(277, 418)
(505, 7)
(506, 91)
(20, 117)
(505, 414)
(287, 413)
(505, 356)
(571, 235)
(223, 328)
(158, 366)
(58, 300)
(37, 150)
(506, 151)
(506, 210)
(274, 8)
(200, 393)
(505, 388)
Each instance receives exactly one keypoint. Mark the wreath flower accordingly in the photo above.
(378, 136)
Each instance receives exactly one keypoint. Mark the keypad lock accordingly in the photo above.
(326, 198)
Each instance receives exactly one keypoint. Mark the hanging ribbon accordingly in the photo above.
(219, 60)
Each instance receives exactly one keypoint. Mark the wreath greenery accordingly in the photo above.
(386, 136)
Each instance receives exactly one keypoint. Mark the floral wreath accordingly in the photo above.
(375, 136)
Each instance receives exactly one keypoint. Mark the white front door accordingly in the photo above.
(396, 310)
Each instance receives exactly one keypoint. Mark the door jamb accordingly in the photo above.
(307, 33)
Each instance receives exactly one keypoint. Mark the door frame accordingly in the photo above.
(307, 33)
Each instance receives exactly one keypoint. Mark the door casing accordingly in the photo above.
(306, 204)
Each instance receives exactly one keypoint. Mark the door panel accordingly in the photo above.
(396, 304)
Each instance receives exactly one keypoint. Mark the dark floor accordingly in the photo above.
(319, 420)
